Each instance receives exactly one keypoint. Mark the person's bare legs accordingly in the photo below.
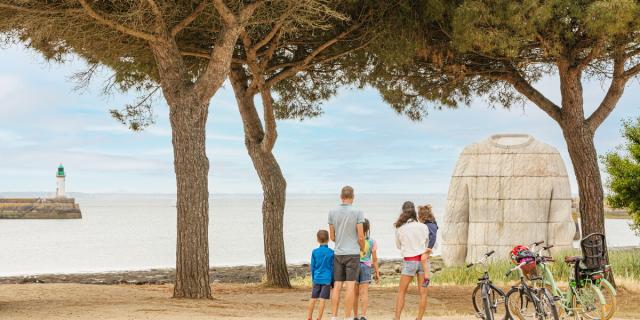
(348, 298)
(335, 298)
(364, 295)
(424, 260)
(312, 304)
(405, 281)
(321, 308)
(423, 297)
(356, 299)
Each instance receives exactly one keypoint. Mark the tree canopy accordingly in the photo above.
(457, 50)
(115, 35)
(499, 49)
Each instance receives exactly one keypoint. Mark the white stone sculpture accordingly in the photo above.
(506, 190)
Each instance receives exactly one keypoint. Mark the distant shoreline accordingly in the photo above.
(235, 274)
(246, 274)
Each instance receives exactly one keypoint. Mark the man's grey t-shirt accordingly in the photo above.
(344, 219)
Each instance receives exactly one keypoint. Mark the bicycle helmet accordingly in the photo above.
(520, 254)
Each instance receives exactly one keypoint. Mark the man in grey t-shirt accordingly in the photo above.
(345, 229)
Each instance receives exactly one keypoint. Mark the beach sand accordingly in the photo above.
(231, 301)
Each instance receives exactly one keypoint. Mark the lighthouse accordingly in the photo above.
(60, 176)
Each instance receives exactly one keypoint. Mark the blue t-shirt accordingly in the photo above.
(322, 265)
(344, 219)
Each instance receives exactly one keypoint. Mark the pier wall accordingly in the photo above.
(39, 208)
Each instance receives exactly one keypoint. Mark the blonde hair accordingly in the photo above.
(425, 214)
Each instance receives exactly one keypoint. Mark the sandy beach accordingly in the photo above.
(231, 301)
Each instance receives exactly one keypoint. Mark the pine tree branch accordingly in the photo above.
(632, 72)
(39, 11)
(526, 89)
(594, 53)
(199, 54)
(115, 25)
(270, 126)
(155, 8)
(228, 17)
(219, 63)
(613, 95)
(297, 67)
(189, 19)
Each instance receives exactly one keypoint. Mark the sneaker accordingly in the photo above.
(426, 282)
(363, 318)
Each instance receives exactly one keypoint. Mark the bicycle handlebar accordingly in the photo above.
(483, 259)
(535, 244)
(515, 268)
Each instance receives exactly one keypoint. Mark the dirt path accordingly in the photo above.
(147, 302)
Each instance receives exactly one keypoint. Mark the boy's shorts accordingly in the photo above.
(321, 291)
(365, 274)
(346, 268)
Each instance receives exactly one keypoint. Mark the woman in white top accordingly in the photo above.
(412, 238)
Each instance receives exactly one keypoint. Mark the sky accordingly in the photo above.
(359, 140)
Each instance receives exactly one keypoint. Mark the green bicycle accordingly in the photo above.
(589, 294)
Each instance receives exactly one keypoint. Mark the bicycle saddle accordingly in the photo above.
(572, 259)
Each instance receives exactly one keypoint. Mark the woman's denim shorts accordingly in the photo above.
(411, 268)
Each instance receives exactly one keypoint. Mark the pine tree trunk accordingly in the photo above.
(585, 164)
(274, 188)
(188, 120)
(579, 138)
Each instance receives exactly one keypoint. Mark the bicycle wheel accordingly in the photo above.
(520, 305)
(497, 301)
(476, 299)
(548, 305)
(586, 302)
(560, 302)
(609, 297)
(482, 303)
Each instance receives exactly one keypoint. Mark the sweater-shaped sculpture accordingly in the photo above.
(507, 190)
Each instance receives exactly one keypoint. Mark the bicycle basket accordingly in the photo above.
(521, 254)
(593, 251)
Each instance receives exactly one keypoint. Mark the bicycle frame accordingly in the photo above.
(566, 298)
(530, 290)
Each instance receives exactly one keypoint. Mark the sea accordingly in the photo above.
(121, 232)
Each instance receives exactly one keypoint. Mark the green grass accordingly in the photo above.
(625, 264)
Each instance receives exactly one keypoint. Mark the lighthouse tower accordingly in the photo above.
(60, 176)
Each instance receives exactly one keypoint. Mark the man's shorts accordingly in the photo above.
(321, 291)
(411, 268)
(346, 268)
(365, 274)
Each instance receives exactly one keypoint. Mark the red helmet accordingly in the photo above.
(516, 253)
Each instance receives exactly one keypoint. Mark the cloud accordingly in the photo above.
(12, 139)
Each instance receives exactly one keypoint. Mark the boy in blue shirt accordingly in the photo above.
(321, 274)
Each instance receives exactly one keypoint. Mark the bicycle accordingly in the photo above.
(529, 302)
(585, 296)
(488, 301)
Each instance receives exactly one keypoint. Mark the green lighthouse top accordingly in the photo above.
(60, 171)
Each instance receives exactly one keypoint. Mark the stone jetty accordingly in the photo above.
(39, 208)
